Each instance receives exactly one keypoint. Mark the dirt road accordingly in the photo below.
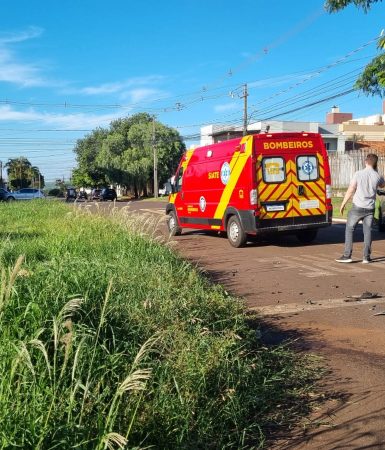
(304, 294)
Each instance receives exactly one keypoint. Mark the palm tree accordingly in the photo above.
(20, 172)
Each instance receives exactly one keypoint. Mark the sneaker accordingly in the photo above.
(366, 260)
(344, 259)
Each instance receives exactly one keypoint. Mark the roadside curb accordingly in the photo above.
(339, 220)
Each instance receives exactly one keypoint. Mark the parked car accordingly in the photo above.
(380, 210)
(28, 194)
(167, 189)
(108, 194)
(71, 194)
(95, 194)
(6, 196)
(82, 195)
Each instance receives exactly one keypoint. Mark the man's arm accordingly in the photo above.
(349, 194)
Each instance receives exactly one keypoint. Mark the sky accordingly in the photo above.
(68, 67)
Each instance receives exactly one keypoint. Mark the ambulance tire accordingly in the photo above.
(307, 236)
(235, 233)
(172, 224)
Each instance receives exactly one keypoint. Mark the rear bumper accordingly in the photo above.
(254, 225)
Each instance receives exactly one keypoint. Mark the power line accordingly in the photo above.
(179, 106)
(340, 94)
(326, 87)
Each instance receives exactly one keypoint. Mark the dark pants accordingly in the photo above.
(355, 215)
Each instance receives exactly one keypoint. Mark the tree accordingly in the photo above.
(22, 174)
(337, 5)
(123, 154)
(372, 80)
(37, 179)
(87, 150)
(60, 185)
(355, 139)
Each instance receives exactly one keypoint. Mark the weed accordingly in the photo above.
(108, 340)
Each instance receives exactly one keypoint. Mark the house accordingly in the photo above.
(334, 140)
(340, 131)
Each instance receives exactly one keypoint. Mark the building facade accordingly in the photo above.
(334, 140)
(340, 131)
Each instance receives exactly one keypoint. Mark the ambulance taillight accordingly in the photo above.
(328, 191)
(253, 197)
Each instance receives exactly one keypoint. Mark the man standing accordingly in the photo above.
(363, 188)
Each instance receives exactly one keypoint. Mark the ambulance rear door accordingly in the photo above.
(309, 186)
(275, 175)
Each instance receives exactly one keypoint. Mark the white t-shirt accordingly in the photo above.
(366, 182)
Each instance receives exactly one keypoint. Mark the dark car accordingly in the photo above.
(380, 209)
(95, 194)
(71, 194)
(6, 196)
(108, 194)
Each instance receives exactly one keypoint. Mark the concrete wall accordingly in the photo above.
(369, 132)
(331, 144)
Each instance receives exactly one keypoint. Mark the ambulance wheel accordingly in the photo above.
(307, 236)
(172, 224)
(235, 233)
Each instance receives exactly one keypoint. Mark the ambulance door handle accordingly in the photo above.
(301, 190)
(182, 195)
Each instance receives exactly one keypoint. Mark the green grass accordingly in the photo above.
(336, 201)
(109, 340)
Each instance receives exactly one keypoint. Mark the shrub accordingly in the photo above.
(56, 192)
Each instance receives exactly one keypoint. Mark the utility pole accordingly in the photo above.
(156, 187)
(244, 96)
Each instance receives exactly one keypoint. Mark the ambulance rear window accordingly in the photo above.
(273, 170)
(307, 168)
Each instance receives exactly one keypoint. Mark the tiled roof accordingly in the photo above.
(373, 146)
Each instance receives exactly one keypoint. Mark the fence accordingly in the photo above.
(344, 165)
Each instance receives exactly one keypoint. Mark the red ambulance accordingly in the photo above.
(260, 183)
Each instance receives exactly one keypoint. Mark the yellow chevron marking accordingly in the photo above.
(172, 198)
(286, 186)
(317, 193)
(321, 169)
(188, 156)
(237, 163)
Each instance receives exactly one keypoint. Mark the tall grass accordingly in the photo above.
(108, 340)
